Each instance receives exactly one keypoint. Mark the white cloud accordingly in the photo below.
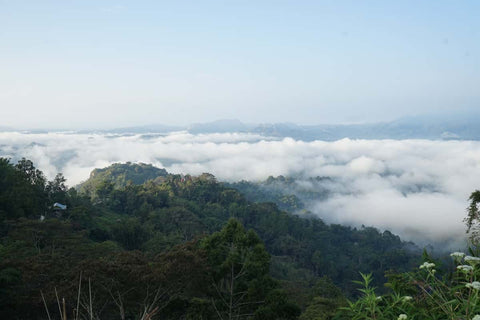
(416, 188)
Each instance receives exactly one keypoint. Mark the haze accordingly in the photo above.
(416, 188)
(105, 64)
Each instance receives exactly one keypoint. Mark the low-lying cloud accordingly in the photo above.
(416, 188)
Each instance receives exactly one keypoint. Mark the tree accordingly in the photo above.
(240, 266)
(57, 190)
(473, 218)
(33, 175)
(22, 190)
(327, 298)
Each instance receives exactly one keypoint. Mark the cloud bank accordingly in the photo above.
(416, 188)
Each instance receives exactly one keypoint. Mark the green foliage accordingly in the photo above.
(277, 306)
(321, 309)
(240, 276)
(130, 233)
(57, 190)
(240, 267)
(279, 190)
(473, 218)
(120, 174)
(200, 309)
(174, 235)
(425, 293)
(10, 281)
(325, 300)
(22, 190)
(179, 208)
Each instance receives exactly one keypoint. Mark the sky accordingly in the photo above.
(105, 64)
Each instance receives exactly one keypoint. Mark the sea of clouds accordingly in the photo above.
(416, 188)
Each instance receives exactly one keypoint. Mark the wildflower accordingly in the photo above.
(474, 285)
(472, 260)
(465, 268)
(402, 316)
(457, 255)
(427, 265)
(477, 317)
(406, 298)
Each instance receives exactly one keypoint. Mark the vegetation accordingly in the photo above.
(173, 247)
(287, 193)
(120, 173)
(430, 291)
(425, 293)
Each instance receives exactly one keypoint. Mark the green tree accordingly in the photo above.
(57, 190)
(473, 218)
(31, 173)
(327, 298)
(240, 266)
(22, 190)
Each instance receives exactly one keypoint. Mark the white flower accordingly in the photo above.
(477, 317)
(474, 285)
(403, 316)
(407, 298)
(465, 268)
(427, 265)
(472, 260)
(457, 254)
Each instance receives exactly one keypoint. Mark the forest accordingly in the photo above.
(135, 242)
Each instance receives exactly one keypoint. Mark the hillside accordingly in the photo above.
(204, 205)
(119, 174)
(442, 126)
(289, 194)
(167, 235)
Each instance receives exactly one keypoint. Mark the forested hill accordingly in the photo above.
(174, 236)
(287, 193)
(121, 173)
(296, 243)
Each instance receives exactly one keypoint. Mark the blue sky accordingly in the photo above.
(75, 64)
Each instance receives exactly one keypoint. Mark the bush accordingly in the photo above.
(453, 295)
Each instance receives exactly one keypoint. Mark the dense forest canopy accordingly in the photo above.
(146, 242)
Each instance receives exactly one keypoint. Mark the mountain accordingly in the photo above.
(153, 128)
(441, 126)
(120, 174)
(459, 126)
(289, 194)
(219, 126)
(135, 232)
(294, 240)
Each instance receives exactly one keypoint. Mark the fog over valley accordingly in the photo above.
(240, 160)
(415, 188)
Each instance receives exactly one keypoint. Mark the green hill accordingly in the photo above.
(180, 208)
(181, 238)
(120, 174)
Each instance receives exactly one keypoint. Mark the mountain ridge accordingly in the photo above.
(461, 126)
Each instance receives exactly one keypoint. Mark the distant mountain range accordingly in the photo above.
(434, 127)
(406, 128)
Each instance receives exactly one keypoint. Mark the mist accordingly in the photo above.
(415, 188)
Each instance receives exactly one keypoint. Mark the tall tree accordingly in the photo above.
(240, 266)
(56, 189)
(473, 218)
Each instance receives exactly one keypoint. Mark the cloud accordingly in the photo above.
(416, 188)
